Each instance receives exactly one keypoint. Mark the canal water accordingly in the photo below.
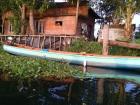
(105, 87)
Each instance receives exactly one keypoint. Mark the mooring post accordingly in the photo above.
(84, 66)
(105, 34)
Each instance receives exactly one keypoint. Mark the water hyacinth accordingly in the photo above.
(31, 68)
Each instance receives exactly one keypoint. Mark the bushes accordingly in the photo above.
(94, 47)
(116, 50)
(82, 45)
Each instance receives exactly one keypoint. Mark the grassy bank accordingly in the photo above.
(93, 47)
(23, 68)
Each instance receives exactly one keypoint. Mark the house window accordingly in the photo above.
(58, 23)
(39, 25)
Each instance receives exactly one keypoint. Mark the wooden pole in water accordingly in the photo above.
(84, 66)
(105, 34)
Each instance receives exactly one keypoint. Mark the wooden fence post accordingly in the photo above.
(105, 34)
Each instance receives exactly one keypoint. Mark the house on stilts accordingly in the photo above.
(58, 20)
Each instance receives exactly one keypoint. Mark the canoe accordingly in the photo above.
(116, 62)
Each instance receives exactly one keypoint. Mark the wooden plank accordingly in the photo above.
(73, 36)
(123, 44)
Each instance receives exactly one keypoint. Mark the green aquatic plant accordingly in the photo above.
(23, 68)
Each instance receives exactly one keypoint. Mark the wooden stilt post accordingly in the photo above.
(25, 40)
(60, 43)
(50, 41)
(54, 42)
(19, 40)
(32, 41)
(5, 38)
(0, 39)
(105, 39)
(42, 45)
(39, 41)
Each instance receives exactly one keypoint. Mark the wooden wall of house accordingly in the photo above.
(59, 25)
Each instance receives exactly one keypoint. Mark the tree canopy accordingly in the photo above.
(120, 9)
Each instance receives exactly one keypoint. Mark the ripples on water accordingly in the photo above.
(94, 91)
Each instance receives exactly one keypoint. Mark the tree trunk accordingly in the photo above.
(31, 22)
(77, 13)
(128, 28)
(128, 22)
(23, 19)
(3, 22)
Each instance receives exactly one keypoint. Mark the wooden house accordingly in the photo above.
(61, 20)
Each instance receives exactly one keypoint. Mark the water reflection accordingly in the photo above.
(96, 91)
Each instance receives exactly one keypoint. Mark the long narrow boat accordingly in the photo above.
(116, 62)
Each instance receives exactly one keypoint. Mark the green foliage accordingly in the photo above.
(16, 24)
(25, 68)
(137, 35)
(116, 50)
(94, 47)
(119, 8)
(82, 45)
(137, 41)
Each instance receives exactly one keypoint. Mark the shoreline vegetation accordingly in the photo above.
(26, 68)
(85, 46)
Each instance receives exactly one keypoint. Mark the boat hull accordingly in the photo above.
(120, 62)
